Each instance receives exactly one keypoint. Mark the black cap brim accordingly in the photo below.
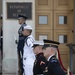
(50, 41)
(22, 16)
(47, 45)
(35, 45)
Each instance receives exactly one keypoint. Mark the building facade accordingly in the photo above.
(50, 19)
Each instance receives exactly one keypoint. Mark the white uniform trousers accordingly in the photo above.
(28, 65)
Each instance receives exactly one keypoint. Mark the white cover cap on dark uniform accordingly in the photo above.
(28, 27)
(38, 43)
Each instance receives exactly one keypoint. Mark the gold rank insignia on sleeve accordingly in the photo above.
(42, 62)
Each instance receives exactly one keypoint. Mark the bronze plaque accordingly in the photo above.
(14, 9)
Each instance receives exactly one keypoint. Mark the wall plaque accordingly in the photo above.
(14, 9)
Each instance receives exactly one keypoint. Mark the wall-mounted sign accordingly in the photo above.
(14, 9)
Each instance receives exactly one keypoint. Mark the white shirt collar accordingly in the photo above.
(50, 57)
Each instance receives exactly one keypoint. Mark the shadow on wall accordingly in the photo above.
(74, 63)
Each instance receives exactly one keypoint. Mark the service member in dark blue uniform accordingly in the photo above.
(40, 63)
(50, 50)
(22, 20)
(21, 41)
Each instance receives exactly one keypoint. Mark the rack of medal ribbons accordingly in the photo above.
(69, 70)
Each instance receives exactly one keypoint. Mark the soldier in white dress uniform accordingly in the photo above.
(28, 55)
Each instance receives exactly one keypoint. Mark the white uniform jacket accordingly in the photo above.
(28, 56)
(28, 50)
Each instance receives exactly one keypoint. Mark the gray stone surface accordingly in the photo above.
(8, 74)
(9, 66)
(0, 62)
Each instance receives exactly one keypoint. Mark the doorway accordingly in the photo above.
(54, 21)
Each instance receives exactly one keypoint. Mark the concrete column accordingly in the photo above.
(0, 7)
(10, 28)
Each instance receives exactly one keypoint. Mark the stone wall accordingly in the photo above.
(10, 28)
